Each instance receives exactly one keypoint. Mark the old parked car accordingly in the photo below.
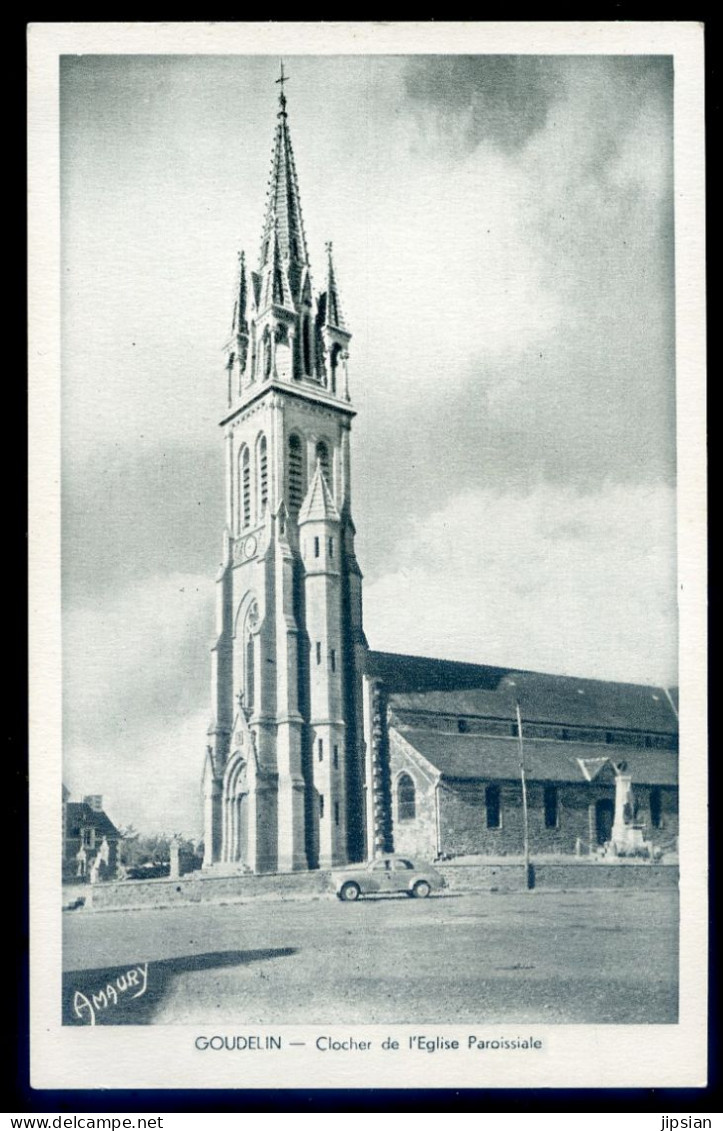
(387, 874)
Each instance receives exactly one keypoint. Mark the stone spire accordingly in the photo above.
(238, 343)
(283, 226)
(333, 315)
(240, 326)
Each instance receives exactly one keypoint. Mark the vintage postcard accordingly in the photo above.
(367, 543)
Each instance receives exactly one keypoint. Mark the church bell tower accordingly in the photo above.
(283, 774)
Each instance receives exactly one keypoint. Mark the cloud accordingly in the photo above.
(136, 656)
(522, 326)
(136, 679)
(131, 512)
(552, 579)
(503, 99)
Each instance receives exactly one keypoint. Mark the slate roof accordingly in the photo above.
(477, 757)
(421, 684)
(80, 815)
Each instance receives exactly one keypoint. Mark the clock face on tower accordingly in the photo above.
(250, 547)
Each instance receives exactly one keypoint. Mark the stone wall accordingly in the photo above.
(417, 837)
(460, 877)
(579, 874)
(202, 888)
(464, 831)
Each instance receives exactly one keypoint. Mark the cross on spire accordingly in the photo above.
(281, 80)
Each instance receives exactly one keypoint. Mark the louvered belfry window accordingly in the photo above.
(296, 473)
(263, 460)
(334, 361)
(245, 487)
(322, 454)
(267, 353)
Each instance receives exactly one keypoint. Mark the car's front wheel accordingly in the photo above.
(350, 892)
(421, 889)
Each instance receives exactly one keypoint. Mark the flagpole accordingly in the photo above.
(525, 826)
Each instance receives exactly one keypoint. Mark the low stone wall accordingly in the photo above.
(482, 877)
(202, 888)
(559, 876)
(623, 874)
(461, 877)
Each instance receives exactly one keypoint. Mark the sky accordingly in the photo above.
(503, 241)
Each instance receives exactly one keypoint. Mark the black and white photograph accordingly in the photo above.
(367, 523)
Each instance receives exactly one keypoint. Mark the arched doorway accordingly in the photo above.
(236, 810)
(604, 815)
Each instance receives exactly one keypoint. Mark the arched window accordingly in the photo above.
(306, 343)
(406, 798)
(252, 620)
(295, 472)
(229, 369)
(250, 672)
(245, 465)
(252, 359)
(262, 472)
(333, 364)
(322, 454)
(267, 354)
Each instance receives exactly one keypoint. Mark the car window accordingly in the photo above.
(380, 866)
(403, 865)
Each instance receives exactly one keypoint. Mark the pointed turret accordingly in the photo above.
(333, 316)
(240, 325)
(237, 346)
(320, 539)
(333, 333)
(318, 506)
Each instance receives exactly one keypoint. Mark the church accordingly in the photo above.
(321, 752)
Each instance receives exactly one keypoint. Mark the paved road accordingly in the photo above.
(546, 957)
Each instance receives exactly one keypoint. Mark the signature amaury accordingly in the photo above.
(86, 1008)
